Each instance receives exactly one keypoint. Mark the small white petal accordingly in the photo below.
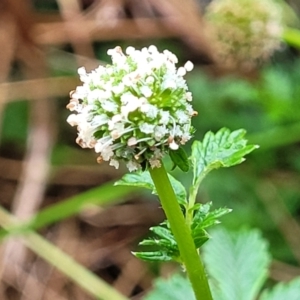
(149, 79)
(181, 71)
(155, 163)
(107, 153)
(147, 128)
(81, 71)
(72, 119)
(114, 163)
(132, 141)
(133, 166)
(129, 50)
(188, 96)
(189, 66)
(173, 145)
(152, 49)
(146, 91)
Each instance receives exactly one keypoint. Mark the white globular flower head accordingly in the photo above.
(245, 32)
(135, 109)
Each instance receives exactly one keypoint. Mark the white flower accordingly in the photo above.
(132, 141)
(133, 166)
(244, 32)
(109, 106)
(160, 132)
(147, 128)
(164, 117)
(130, 50)
(114, 163)
(182, 117)
(118, 89)
(99, 120)
(150, 110)
(124, 112)
(107, 153)
(154, 163)
(189, 66)
(72, 120)
(173, 145)
(188, 96)
(146, 91)
(181, 71)
(150, 80)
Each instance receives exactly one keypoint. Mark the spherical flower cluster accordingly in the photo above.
(245, 32)
(135, 109)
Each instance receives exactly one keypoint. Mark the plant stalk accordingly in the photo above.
(80, 275)
(182, 233)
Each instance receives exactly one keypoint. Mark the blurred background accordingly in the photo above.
(244, 77)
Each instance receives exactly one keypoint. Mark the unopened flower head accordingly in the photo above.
(135, 109)
(246, 32)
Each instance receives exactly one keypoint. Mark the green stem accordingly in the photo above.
(182, 234)
(83, 277)
(192, 198)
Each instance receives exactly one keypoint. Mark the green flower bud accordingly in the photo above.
(245, 32)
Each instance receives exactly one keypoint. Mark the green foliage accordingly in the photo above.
(63, 262)
(163, 244)
(292, 37)
(204, 218)
(237, 264)
(98, 196)
(223, 149)
(288, 291)
(175, 288)
(15, 122)
(180, 159)
(143, 179)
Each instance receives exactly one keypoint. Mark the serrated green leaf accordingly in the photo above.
(204, 218)
(200, 236)
(138, 179)
(212, 218)
(237, 264)
(163, 245)
(164, 233)
(175, 288)
(288, 291)
(180, 159)
(223, 149)
(153, 256)
(143, 179)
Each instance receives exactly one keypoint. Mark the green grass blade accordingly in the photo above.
(102, 195)
(53, 255)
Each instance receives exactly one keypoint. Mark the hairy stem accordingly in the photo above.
(182, 233)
